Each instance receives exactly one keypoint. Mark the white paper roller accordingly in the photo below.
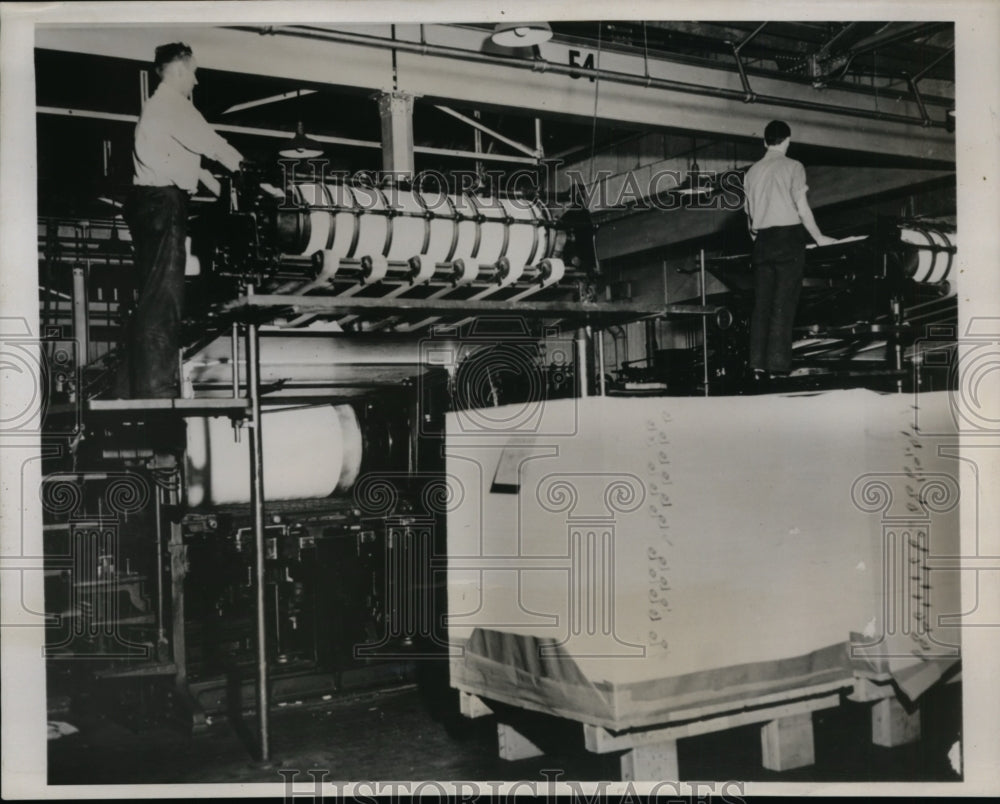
(308, 453)
(935, 253)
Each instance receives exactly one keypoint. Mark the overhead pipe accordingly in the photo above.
(749, 95)
(912, 82)
(575, 71)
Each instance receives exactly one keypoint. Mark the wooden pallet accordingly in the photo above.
(786, 726)
(651, 753)
(892, 723)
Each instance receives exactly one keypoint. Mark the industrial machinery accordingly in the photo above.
(504, 434)
(872, 305)
(331, 328)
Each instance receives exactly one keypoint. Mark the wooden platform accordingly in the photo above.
(785, 719)
(893, 724)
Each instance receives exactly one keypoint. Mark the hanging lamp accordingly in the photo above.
(521, 34)
(301, 146)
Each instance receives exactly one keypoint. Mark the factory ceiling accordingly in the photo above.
(256, 84)
(822, 52)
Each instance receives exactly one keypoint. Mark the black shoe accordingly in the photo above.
(757, 382)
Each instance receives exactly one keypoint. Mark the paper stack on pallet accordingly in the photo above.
(614, 560)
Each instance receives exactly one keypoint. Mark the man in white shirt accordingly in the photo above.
(170, 140)
(779, 216)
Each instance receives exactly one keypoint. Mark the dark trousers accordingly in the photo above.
(778, 259)
(157, 219)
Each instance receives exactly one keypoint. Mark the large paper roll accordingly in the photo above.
(308, 453)
(934, 253)
(352, 222)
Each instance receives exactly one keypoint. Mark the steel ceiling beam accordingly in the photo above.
(488, 131)
(295, 93)
(446, 62)
(256, 131)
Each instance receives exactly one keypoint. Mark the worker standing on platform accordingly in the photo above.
(779, 216)
(170, 140)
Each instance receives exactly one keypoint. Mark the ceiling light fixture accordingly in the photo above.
(521, 34)
(300, 146)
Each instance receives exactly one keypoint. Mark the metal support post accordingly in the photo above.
(600, 363)
(178, 571)
(582, 371)
(234, 359)
(704, 322)
(191, 710)
(477, 146)
(396, 111)
(80, 314)
(257, 503)
(897, 345)
(161, 631)
(651, 343)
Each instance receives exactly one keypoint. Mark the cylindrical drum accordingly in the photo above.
(397, 223)
(308, 453)
(930, 252)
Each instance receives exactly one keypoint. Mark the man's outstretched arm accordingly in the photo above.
(806, 216)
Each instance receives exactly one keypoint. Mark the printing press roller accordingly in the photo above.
(930, 250)
(417, 228)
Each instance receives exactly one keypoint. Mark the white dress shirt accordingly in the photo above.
(170, 139)
(772, 186)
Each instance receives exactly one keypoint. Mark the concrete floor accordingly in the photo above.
(414, 732)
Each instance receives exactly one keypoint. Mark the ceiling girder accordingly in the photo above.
(447, 63)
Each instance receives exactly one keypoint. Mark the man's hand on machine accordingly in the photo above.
(210, 182)
(833, 241)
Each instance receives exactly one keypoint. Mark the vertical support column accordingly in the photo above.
(81, 331)
(582, 363)
(704, 321)
(257, 503)
(178, 571)
(896, 341)
(189, 707)
(651, 341)
(396, 111)
(601, 382)
(161, 631)
(234, 359)
(787, 743)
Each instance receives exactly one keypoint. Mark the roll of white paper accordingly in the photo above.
(308, 453)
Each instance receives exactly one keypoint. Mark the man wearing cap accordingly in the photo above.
(779, 216)
(170, 140)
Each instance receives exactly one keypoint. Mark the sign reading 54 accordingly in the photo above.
(575, 61)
